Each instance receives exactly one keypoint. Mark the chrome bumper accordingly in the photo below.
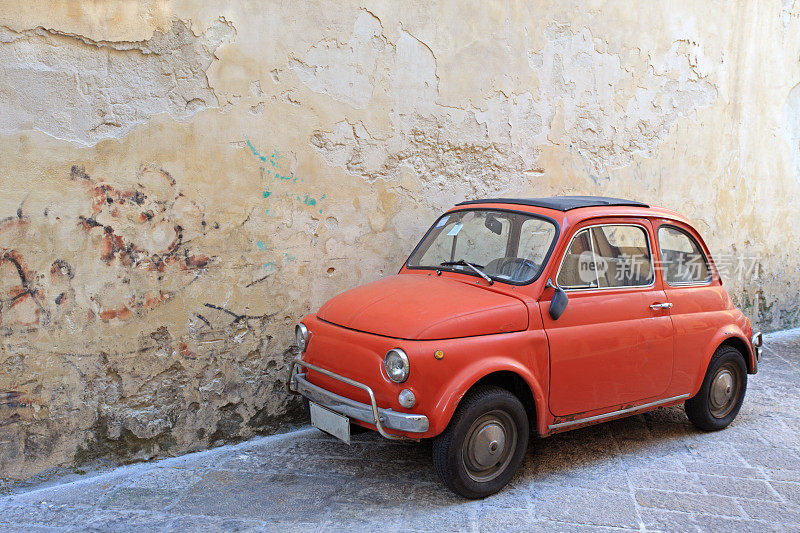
(758, 342)
(383, 419)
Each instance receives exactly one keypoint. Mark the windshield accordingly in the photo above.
(506, 246)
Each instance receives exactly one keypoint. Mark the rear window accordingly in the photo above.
(682, 260)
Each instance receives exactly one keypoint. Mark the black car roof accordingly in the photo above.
(560, 203)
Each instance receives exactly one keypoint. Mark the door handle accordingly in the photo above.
(665, 305)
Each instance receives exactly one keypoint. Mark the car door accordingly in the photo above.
(613, 345)
(700, 305)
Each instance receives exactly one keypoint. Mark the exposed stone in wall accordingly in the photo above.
(111, 256)
(82, 90)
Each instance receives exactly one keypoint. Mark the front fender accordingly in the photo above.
(467, 377)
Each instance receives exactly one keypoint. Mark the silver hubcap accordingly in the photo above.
(724, 391)
(489, 446)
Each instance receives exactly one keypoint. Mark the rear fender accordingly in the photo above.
(729, 334)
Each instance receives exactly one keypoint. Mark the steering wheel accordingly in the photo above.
(512, 268)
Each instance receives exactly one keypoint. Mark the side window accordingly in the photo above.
(683, 261)
(622, 255)
(607, 256)
(577, 268)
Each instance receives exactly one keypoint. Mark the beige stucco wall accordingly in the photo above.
(181, 181)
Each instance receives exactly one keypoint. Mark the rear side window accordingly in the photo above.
(682, 260)
(608, 256)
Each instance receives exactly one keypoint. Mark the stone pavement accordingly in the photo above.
(648, 472)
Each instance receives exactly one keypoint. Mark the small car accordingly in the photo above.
(520, 315)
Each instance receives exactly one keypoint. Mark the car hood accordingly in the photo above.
(419, 307)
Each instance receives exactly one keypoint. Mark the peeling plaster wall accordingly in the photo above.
(181, 181)
(77, 89)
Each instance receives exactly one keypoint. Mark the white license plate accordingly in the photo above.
(330, 422)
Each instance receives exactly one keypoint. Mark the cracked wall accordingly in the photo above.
(791, 117)
(82, 90)
(182, 181)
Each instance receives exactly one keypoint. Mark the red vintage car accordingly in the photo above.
(520, 315)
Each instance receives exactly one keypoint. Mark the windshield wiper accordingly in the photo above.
(476, 268)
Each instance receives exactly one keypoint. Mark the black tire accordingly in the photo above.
(486, 416)
(720, 397)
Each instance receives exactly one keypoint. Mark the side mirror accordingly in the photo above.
(559, 301)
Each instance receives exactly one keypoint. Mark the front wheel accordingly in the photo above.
(720, 397)
(484, 444)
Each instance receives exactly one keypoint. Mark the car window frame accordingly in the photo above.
(580, 229)
(705, 283)
(545, 261)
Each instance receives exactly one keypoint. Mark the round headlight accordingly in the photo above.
(301, 336)
(397, 365)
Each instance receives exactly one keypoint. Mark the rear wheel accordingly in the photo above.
(720, 396)
(484, 444)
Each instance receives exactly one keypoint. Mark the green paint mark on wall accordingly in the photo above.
(274, 174)
(255, 152)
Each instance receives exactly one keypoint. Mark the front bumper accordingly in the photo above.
(383, 419)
